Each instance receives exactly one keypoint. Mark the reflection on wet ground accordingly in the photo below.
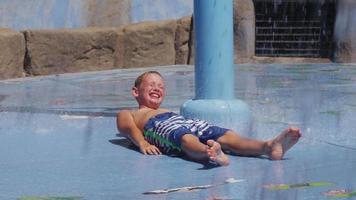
(58, 136)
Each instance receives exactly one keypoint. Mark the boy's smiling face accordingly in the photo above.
(150, 93)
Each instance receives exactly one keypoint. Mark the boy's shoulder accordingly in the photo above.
(127, 113)
(125, 120)
(133, 113)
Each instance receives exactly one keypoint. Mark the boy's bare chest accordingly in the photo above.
(141, 116)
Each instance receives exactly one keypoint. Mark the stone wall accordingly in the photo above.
(12, 53)
(345, 32)
(70, 50)
(244, 31)
(149, 44)
(183, 42)
(45, 52)
(88, 49)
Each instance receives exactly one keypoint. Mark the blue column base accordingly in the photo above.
(233, 114)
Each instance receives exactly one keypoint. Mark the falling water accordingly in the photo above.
(294, 28)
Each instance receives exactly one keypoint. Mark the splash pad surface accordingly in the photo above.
(58, 136)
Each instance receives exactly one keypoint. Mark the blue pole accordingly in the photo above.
(214, 71)
(214, 68)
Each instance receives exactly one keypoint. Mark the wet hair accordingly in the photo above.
(139, 78)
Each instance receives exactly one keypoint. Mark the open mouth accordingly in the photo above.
(155, 95)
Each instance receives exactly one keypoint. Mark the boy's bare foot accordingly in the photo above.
(283, 142)
(216, 154)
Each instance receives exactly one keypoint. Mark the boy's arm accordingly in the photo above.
(126, 125)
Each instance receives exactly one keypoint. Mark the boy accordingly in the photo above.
(155, 130)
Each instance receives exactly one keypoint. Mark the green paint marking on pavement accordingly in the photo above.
(298, 185)
(50, 198)
(340, 193)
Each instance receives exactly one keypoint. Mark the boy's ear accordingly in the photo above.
(134, 92)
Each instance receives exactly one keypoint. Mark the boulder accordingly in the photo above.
(345, 51)
(183, 40)
(244, 30)
(70, 50)
(345, 32)
(149, 44)
(191, 57)
(12, 54)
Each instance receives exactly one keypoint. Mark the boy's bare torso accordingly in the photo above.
(142, 115)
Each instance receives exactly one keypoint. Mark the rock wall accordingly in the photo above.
(183, 41)
(12, 53)
(88, 49)
(345, 31)
(45, 52)
(244, 31)
(149, 44)
(70, 50)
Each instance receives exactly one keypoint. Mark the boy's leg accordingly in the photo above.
(242, 146)
(275, 148)
(196, 150)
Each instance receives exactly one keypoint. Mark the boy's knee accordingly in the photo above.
(228, 137)
(188, 138)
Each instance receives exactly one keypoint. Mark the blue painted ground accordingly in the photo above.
(58, 136)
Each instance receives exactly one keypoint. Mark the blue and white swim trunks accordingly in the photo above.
(166, 130)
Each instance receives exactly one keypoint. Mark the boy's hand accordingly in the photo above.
(147, 148)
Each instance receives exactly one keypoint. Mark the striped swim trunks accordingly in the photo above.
(166, 130)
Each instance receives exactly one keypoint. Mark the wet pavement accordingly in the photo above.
(58, 136)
